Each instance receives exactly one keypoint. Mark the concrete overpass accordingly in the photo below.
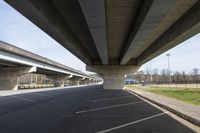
(114, 37)
(15, 62)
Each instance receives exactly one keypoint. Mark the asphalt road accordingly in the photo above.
(83, 110)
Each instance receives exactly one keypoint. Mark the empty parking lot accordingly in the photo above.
(83, 110)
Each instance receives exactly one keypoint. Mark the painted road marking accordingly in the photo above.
(22, 98)
(106, 99)
(108, 107)
(131, 123)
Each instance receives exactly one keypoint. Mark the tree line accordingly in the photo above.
(165, 76)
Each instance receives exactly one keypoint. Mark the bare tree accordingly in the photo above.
(184, 78)
(139, 76)
(164, 75)
(195, 73)
(155, 75)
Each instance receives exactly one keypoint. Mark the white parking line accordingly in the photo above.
(107, 107)
(131, 123)
(22, 98)
(106, 99)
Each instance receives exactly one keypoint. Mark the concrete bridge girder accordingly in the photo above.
(15, 62)
(136, 31)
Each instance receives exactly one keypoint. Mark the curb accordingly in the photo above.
(182, 115)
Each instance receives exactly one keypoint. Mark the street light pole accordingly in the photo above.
(169, 73)
(151, 78)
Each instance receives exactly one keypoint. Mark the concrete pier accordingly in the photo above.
(113, 76)
(9, 76)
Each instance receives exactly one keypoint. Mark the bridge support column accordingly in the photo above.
(77, 80)
(9, 76)
(59, 80)
(85, 82)
(113, 76)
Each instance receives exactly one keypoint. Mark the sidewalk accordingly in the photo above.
(15, 92)
(186, 111)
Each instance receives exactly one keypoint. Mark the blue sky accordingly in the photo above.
(17, 30)
(183, 57)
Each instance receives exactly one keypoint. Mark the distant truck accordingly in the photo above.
(131, 81)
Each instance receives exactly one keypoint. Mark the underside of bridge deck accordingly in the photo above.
(114, 33)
